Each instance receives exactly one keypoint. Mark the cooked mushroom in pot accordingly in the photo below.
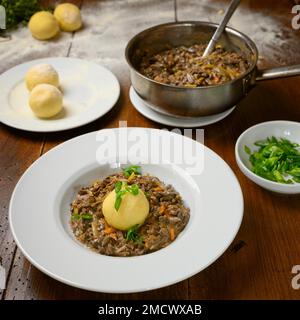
(185, 67)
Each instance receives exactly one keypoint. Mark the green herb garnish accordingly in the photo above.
(133, 189)
(118, 186)
(277, 159)
(86, 216)
(121, 188)
(132, 169)
(19, 11)
(119, 193)
(147, 194)
(133, 235)
(118, 200)
(247, 150)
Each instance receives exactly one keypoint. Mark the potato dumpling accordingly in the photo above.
(134, 210)
(68, 16)
(43, 25)
(41, 73)
(45, 100)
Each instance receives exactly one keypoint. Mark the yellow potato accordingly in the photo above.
(45, 100)
(43, 25)
(41, 73)
(133, 210)
(68, 16)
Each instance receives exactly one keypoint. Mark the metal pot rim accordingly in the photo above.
(187, 23)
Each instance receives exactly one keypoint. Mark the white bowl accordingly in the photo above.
(286, 129)
(39, 217)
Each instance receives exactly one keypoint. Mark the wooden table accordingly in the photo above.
(258, 264)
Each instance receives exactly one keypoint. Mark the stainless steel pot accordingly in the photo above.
(202, 101)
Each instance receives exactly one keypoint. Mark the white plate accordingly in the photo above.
(142, 107)
(39, 214)
(89, 89)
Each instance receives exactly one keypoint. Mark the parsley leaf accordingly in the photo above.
(19, 11)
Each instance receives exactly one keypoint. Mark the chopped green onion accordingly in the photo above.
(133, 189)
(120, 192)
(247, 150)
(118, 186)
(133, 235)
(76, 216)
(277, 159)
(118, 202)
(132, 169)
(86, 216)
(147, 194)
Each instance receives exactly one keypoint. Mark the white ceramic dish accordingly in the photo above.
(142, 107)
(39, 216)
(89, 89)
(286, 129)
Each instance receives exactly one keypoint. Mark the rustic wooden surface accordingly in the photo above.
(258, 264)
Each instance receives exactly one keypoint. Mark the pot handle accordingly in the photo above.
(280, 72)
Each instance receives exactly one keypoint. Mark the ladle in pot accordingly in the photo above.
(216, 36)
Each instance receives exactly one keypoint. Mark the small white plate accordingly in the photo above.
(89, 89)
(142, 107)
(279, 129)
(39, 216)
